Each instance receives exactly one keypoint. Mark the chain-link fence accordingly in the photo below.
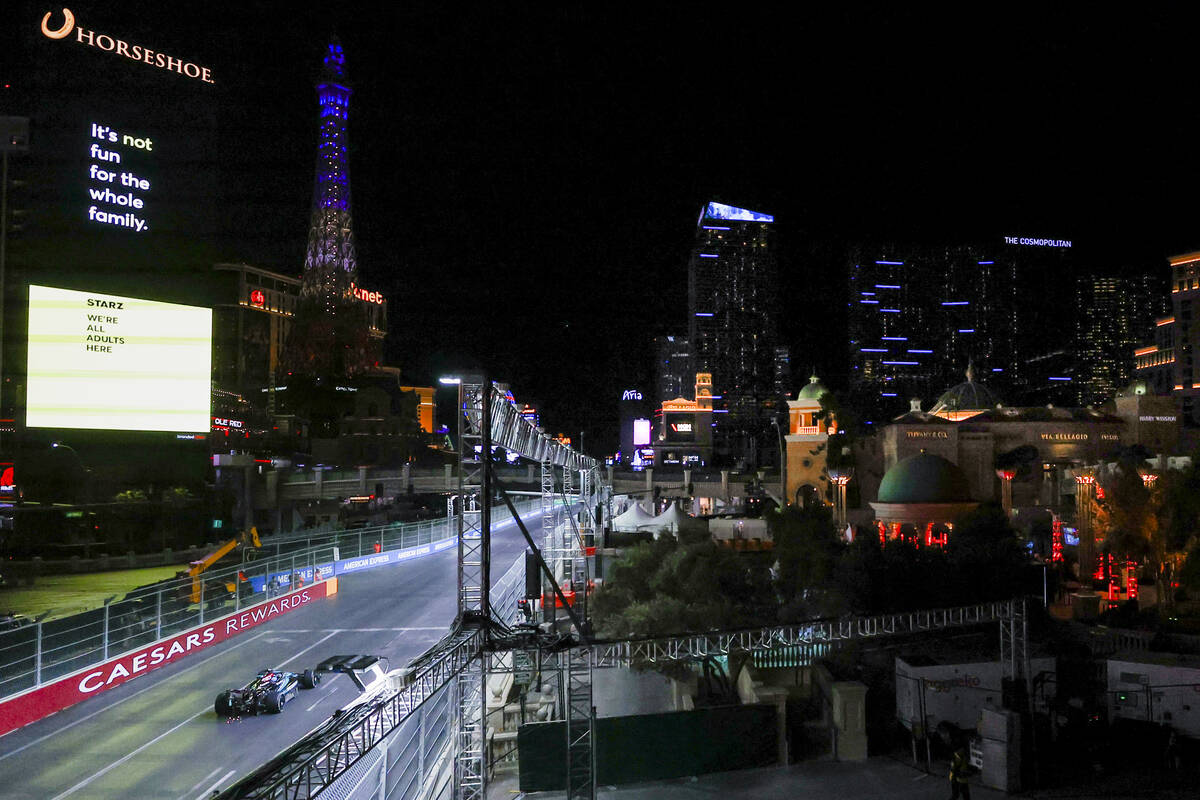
(43, 651)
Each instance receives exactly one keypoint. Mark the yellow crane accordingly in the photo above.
(246, 539)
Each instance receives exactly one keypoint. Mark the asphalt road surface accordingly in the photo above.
(158, 736)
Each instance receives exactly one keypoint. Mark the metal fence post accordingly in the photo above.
(421, 746)
(106, 628)
(158, 615)
(202, 602)
(37, 657)
(359, 544)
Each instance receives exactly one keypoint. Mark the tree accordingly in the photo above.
(985, 556)
(1177, 549)
(665, 588)
(807, 549)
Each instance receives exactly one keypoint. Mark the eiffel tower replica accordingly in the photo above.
(330, 339)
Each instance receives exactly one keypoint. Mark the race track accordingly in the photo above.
(158, 736)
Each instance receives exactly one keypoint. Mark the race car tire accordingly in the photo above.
(273, 702)
(223, 705)
(309, 679)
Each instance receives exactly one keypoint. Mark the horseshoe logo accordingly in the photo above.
(62, 32)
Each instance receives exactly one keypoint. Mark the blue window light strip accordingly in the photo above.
(872, 350)
(891, 263)
(921, 351)
(886, 286)
(982, 263)
(903, 363)
(894, 338)
(887, 394)
(867, 294)
(1059, 379)
(891, 310)
(966, 330)
(715, 228)
(997, 369)
(704, 314)
(709, 255)
(876, 302)
(957, 303)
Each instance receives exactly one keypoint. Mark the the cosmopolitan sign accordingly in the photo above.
(111, 44)
(35, 704)
(1028, 242)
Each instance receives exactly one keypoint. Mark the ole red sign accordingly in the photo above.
(34, 704)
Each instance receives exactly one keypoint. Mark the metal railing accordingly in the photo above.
(46, 650)
(758, 640)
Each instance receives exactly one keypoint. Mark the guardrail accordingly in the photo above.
(43, 651)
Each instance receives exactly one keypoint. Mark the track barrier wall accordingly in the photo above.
(45, 656)
(43, 701)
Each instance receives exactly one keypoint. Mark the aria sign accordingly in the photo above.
(631, 394)
(111, 45)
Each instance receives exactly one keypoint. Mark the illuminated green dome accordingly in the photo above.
(813, 390)
(924, 478)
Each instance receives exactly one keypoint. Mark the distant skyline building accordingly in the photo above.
(1116, 314)
(732, 294)
(672, 369)
(1169, 364)
(919, 315)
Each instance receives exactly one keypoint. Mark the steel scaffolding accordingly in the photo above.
(580, 714)
(472, 506)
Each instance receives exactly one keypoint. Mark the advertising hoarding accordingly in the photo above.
(108, 362)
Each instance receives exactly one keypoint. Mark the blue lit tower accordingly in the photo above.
(330, 266)
(732, 328)
(331, 335)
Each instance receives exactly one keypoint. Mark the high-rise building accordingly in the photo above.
(672, 375)
(919, 315)
(332, 337)
(731, 327)
(1169, 366)
(1115, 315)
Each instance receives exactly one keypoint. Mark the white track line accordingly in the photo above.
(161, 736)
(153, 685)
(200, 783)
(209, 791)
(363, 630)
(324, 696)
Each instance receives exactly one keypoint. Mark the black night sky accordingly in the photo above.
(527, 177)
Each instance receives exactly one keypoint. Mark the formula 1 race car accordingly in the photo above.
(268, 692)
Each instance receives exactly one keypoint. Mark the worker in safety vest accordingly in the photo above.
(959, 767)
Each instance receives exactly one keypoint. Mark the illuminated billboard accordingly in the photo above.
(109, 362)
(679, 428)
(722, 211)
(641, 432)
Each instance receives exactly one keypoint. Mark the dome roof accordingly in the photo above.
(813, 390)
(924, 478)
(968, 395)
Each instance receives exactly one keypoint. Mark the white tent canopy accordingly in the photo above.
(668, 520)
(631, 519)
